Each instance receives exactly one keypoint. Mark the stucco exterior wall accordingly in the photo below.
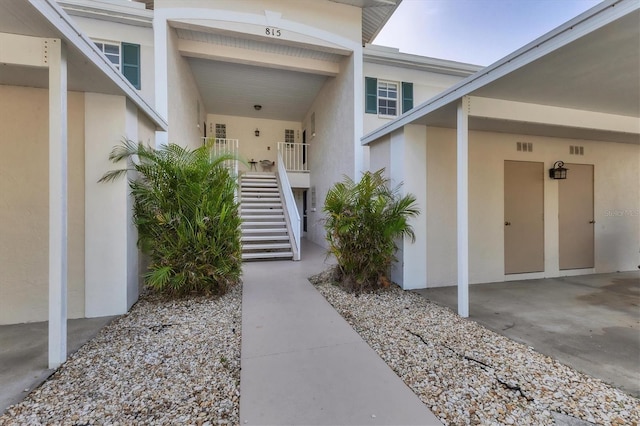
(24, 199)
(263, 147)
(105, 30)
(332, 149)
(185, 124)
(616, 203)
(425, 86)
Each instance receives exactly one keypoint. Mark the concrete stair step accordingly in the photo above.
(257, 217)
(263, 205)
(261, 194)
(268, 255)
(263, 238)
(257, 210)
(266, 246)
(271, 199)
(258, 174)
(265, 223)
(276, 231)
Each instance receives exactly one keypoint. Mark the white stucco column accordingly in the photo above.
(57, 202)
(408, 156)
(463, 205)
(161, 74)
(360, 165)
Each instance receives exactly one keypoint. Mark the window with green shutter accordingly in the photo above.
(131, 63)
(371, 97)
(407, 96)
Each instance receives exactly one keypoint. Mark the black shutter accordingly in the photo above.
(131, 63)
(407, 96)
(371, 90)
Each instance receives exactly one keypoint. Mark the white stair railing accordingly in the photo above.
(219, 146)
(294, 157)
(290, 208)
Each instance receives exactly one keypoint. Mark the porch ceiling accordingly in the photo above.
(233, 89)
(236, 71)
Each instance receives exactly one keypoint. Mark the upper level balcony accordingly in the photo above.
(291, 157)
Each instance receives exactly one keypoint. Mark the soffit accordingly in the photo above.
(87, 69)
(375, 14)
(19, 17)
(219, 39)
(598, 72)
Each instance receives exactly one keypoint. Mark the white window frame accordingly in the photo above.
(386, 85)
(221, 131)
(289, 137)
(100, 44)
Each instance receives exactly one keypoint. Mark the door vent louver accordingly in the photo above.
(524, 146)
(576, 150)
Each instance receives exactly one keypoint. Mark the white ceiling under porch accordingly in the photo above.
(235, 71)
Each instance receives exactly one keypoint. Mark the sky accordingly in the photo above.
(478, 32)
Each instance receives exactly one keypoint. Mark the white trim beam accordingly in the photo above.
(195, 49)
(57, 203)
(543, 114)
(23, 50)
(463, 205)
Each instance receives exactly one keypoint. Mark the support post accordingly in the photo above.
(57, 202)
(161, 74)
(463, 205)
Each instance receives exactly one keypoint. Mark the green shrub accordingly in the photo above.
(363, 220)
(186, 215)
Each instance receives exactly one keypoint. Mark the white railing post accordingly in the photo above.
(290, 206)
(219, 146)
(291, 156)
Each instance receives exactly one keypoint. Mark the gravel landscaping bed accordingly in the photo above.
(469, 375)
(165, 362)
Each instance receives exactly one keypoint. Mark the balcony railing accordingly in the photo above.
(294, 157)
(220, 146)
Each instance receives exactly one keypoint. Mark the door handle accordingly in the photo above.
(507, 224)
(592, 222)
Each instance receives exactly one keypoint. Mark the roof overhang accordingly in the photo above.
(589, 65)
(88, 69)
(375, 14)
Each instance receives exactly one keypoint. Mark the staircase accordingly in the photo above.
(264, 229)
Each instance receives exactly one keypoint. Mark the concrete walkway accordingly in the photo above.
(302, 364)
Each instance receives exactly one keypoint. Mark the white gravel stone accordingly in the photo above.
(164, 362)
(469, 375)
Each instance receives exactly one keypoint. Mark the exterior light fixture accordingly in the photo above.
(558, 171)
(257, 107)
(257, 132)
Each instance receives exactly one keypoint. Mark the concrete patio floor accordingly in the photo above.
(23, 354)
(589, 322)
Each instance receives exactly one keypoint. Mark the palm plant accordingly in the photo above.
(363, 221)
(186, 214)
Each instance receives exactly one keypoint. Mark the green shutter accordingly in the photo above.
(407, 96)
(131, 63)
(371, 90)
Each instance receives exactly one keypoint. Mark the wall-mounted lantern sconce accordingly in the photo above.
(558, 171)
(257, 132)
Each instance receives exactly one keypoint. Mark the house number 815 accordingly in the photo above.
(273, 32)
